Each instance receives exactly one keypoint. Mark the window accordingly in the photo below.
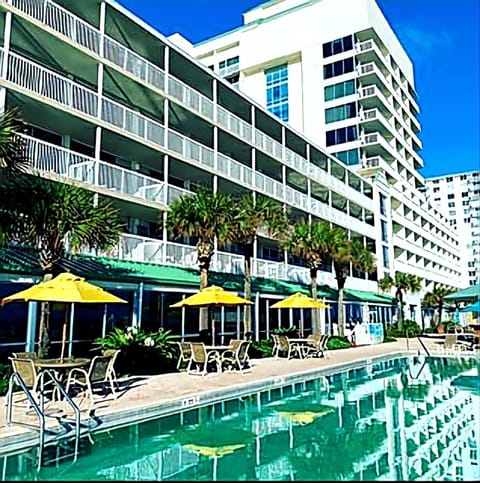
(451, 204)
(339, 113)
(338, 68)
(276, 80)
(384, 231)
(449, 179)
(386, 264)
(436, 190)
(349, 157)
(451, 196)
(337, 46)
(342, 135)
(341, 89)
(383, 210)
(229, 62)
(464, 194)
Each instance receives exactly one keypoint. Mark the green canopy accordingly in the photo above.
(467, 294)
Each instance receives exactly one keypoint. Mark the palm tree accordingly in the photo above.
(207, 216)
(251, 215)
(309, 241)
(403, 282)
(13, 157)
(344, 252)
(435, 300)
(47, 216)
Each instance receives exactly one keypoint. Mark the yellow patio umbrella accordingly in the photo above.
(300, 301)
(212, 296)
(67, 288)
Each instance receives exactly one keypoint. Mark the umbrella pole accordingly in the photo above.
(64, 333)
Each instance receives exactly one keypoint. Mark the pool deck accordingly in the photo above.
(144, 397)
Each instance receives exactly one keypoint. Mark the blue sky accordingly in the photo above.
(440, 36)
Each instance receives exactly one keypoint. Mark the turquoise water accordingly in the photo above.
(401, 419)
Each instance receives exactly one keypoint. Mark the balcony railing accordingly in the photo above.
(80, 32)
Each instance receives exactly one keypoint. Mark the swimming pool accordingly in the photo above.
(404, 418)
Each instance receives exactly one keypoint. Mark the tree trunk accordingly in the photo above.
(313, 284)
(341, 318)
(400, 315)
(44, 324)
(247, 291)
(204, 257)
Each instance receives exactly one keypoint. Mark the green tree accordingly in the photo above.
(206, 216)
(249, 217)
(309, 241)
(13, 154)
(346, 254)
(50, 217)
(403, 283)
(435, 300)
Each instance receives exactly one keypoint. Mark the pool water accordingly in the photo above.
(398, 419)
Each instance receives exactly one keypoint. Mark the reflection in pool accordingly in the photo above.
(399, 419)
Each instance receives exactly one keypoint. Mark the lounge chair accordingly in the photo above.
(185, 354)
(98, 375)
(202, 360)
(237, 359)
(451, 345)
(113, 353)
(288, 348)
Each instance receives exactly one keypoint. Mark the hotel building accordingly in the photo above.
(458, 196)
(346, 82)
(116, 107)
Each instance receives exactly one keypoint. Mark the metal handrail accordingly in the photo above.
(39, 408)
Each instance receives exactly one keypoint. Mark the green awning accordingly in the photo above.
(24, 262)
(467, 294)
(368, 297)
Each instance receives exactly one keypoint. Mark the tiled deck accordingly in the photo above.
(145, 397)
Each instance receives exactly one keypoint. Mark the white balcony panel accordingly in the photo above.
(295, 161)
(190, 98)
(50, 158)
(224, 262)
(234, 124)
(133, 63)
(268, 144)
(268, 269)
(174, 192)
(180, 255)
(234, 170)
(60, 20)
(191, 149)
(33, 78)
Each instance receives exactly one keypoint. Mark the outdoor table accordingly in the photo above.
(219, 349)
(301, 342)
(60, 367)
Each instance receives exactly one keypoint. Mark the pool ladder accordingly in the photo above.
(45, 379)
(407, 335)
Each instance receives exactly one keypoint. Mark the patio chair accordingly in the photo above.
(236, 359)
(25, 355)
(202, 360)
(25, 368)
(113, 353)
(288, 348)
(185, 353)
(451, 345)
(313, 347)
(98, 375)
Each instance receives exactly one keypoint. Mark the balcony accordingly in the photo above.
(229, 70)
(52, 159)
(370, 96)
(377, 145)
(373, 120)
(370, 74)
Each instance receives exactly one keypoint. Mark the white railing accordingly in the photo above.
(34, 78)
(228, 262)
(190, 98)
(191, 149)
(180, 255)
(296, 161)
(269, 269)
(51, 158)
(268, 144)
(131, 62)
(234, 170)
(234, 124)
(229, 69)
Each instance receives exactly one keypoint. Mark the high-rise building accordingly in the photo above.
(346, 82)
(116, 107)
(458, 197)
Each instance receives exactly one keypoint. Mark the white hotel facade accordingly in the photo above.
(118, 108)
(458, 196)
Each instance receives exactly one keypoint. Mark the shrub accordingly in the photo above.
(141, 352)
(288, 331)
(5, 373)
(261, 348)
(337, 342)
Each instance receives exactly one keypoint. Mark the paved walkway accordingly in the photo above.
(150, 396)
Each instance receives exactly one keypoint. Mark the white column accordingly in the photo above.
(31, 326)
